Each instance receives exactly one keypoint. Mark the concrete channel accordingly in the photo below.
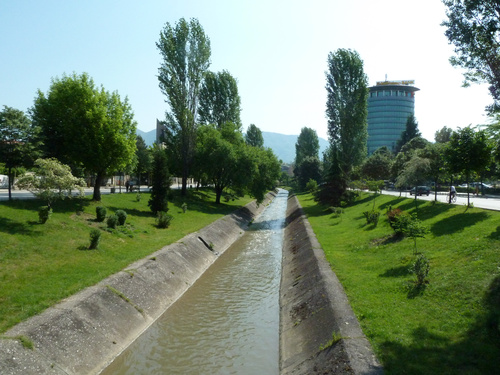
(84, 333)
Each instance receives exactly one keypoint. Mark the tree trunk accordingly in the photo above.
(10, 182)
(97, 187)
(218, 194)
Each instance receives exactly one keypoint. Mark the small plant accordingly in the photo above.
(95, 237)
(163, 219)
(184, 207)
(112, 221)
(122, 217)
(336, 337)
(138, 197)
(44, 213)
(421, 269)
(100, 212)
(401, 223)
(393, 215)
(415, 229)
(312, 185)
(372, 217)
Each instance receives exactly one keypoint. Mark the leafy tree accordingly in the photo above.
(411, 131)
(185, 52)
(378, 165)
(160, 184)
(219, 99)
(266, 168)
(415, 171)
(472, 27)
(51, 181)
(144, 159)
(254, 137)
(468, 152)
(346, 85)
(18, 145)
(443, 135)
(307, 165)
(84, 126)
(434, 152)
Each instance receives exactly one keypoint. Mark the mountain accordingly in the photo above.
(149, 137)
(284, 145)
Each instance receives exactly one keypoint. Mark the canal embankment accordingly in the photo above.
(84, 333)
(314, 310)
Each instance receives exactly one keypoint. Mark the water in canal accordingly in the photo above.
(228, 321)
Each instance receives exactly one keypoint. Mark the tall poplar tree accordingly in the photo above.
(346, 111)
(185, 52)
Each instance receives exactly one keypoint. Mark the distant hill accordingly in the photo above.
(149, 137)
(284, 145)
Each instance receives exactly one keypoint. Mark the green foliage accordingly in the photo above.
(51, 181)
(184, 207)
(311, 185)
(44, 213)
(307, 145)
(336, 337)
(95, 238)
(138, 197)
(372, 217)
(415, 229)
(122, 217)
(112, 221)
(393, 215)
(160, 184)
(163, 219)
(253, 136)
(401, 222)
(421, 268)
(101, 212)
(411, 131)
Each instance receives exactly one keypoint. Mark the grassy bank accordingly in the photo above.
(451, 325)
(40, 264)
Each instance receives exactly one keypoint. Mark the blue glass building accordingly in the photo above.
(389, 105)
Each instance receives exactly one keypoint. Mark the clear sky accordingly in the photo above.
(276, 49)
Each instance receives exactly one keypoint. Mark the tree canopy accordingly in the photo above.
(185, 52)
(85, 126)
(411, 131)
(307, 164)
(254, 137)
(473, 27)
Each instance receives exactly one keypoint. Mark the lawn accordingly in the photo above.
(452, 324)
(40, 264)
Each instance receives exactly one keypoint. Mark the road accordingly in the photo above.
(25, 194)
(487, 201)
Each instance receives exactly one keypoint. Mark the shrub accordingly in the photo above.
(44, 213)
(312, 185)
(372, 217)
(95, 237)
(401, 222)
(138, 197)
(122, 217)
(112, 221)
(392, 216)
(184, 207)
(100, 212)
(421, 269)
(163, 219)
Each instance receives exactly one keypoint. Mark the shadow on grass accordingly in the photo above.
(457, 223)
(477, 352)
(396, 272)
(391, 203)
(30, 228)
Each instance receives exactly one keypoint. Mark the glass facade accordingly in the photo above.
(388, 109)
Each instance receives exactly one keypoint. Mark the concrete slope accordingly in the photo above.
(313, 306)
(84, 333)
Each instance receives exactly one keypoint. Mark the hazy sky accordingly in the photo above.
(276, 49)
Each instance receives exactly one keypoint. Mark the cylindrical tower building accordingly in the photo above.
(389, 105)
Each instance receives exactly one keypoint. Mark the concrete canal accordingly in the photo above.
(228, 321)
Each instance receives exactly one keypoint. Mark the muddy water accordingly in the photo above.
(228, 322)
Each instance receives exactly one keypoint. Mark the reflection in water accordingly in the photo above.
(228, 322)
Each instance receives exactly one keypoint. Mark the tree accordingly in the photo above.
(143, 156)
(434, 152)
(443, 135)
(307, 165)
(347, 89)
(472, 27)
(18, 145)
(378, 165)
(411, 131)
(51, 181)
(414, 172)
(309, 169)
(468, 152)
(160, 182)
(266, 172)
(84, 126)
(185, 52)
(254, 137)
(219, 99)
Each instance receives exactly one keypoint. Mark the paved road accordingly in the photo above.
(488, 201)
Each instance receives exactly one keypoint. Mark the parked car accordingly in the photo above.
(478, 184)
(421, 190)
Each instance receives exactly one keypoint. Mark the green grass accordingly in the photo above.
(451, 325)
(40, 264)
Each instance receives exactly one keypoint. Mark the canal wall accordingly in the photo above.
(313, 307)
(84, 333)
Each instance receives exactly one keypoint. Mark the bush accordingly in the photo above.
(392, 216)
(311, 185)
(112, 221)
(184, 207)
(44, 213)
(372, 217)
(163, 219)
(95, 237)
(100, 212)
(122, 217)
(401, 222)
(421, 269)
